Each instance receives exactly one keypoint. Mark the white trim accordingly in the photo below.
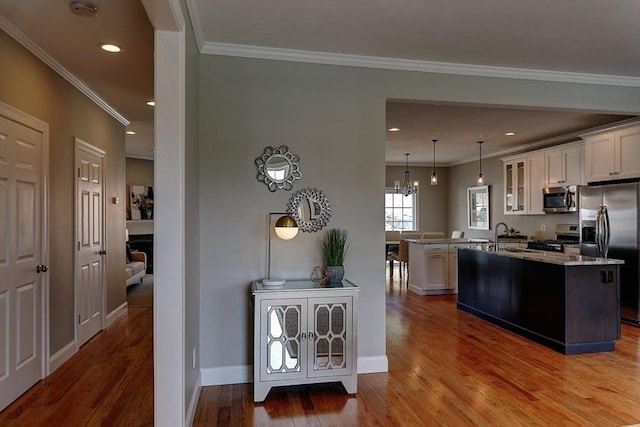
(244, 373)
(138, 156)
(196, 23)
(193, 402)
(38, 125)
(227, 375)
(314, 57)
(39, 53)
(373, 364)
(116, 314)
(64, 354)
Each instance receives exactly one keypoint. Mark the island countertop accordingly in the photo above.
(554, 257)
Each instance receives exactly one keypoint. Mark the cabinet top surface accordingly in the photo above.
(302, 285)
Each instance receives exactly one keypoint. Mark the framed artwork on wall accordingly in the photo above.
(478, 207)
(141, 199)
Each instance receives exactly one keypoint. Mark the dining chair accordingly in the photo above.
(410, 235)
(433, 235)
(403, 258)
(457, 234)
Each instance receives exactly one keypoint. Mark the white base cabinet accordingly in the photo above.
(433, 268)
(304, 334)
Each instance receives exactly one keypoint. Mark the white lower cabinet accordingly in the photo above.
(304, 334)
(433, 267)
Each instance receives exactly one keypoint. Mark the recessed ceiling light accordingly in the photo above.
(111, 48)
(151, 103)
(510, 133)
(130, 132)
(394, 129)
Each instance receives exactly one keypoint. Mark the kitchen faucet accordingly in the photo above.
(506, 229)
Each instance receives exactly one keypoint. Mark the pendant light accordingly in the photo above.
(406, 187)
(480, 176)
(434, 175)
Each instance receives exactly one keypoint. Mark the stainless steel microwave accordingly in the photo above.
(560, 199)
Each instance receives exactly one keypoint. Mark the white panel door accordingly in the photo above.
(90, 300)
(21, 256)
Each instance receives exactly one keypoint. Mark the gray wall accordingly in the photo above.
(29, 85)
(333, 117)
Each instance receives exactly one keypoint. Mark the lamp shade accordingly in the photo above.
(286, 227)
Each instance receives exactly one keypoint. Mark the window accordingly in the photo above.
(400, 212)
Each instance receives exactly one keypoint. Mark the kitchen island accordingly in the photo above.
(569, 303)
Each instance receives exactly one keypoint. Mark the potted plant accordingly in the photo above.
(334, 250)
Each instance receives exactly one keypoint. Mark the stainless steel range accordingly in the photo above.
(566, 234)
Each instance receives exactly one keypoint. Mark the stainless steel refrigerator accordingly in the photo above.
(609, 216)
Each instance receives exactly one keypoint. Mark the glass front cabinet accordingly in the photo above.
(304, 334)
(514, 186)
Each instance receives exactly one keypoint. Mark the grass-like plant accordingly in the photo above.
(335, 247)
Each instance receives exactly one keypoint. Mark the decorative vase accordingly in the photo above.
(335, 273)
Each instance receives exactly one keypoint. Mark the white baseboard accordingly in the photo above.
(244, 374)
(62, 356)
(193, 402)
(227, 375)
(116, 314)
(370, 365)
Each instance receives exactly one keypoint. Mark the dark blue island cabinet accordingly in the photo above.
(569, 303)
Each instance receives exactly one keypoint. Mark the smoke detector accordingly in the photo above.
(83, 8)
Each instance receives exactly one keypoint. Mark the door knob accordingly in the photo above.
(41, 268)
(102, 252)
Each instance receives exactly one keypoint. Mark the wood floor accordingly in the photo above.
(449, 368)
(109, 382)
(445, 368)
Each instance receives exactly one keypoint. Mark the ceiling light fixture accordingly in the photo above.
(151, 103)
(394, 129)
(111, 48)
(406, 188)
(510, 133)
(480, 176)
(434, 175)
(83, 8)
(130, 132)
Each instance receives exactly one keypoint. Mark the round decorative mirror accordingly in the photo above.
(310, 208)
(278, 168)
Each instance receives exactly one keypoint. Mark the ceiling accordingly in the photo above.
(596, 40)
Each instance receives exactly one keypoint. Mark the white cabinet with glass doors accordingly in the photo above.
(304, 334)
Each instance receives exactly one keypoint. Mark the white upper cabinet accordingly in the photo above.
(612, 154)
(563, 166)
(535, 184)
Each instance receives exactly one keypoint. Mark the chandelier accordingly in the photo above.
(406, 187)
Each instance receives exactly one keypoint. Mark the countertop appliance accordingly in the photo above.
(609, 215)
(560, 199)
(566, 234)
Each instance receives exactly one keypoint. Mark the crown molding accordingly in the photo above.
(259, 52)
(196, 23)
(36, 50)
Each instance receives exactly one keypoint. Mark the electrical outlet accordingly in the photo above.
(193, 361)
(543, 227)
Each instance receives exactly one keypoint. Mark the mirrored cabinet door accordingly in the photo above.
(284, 346)
(330, 337)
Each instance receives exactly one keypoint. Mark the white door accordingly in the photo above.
(21, 257)
(90, 257)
